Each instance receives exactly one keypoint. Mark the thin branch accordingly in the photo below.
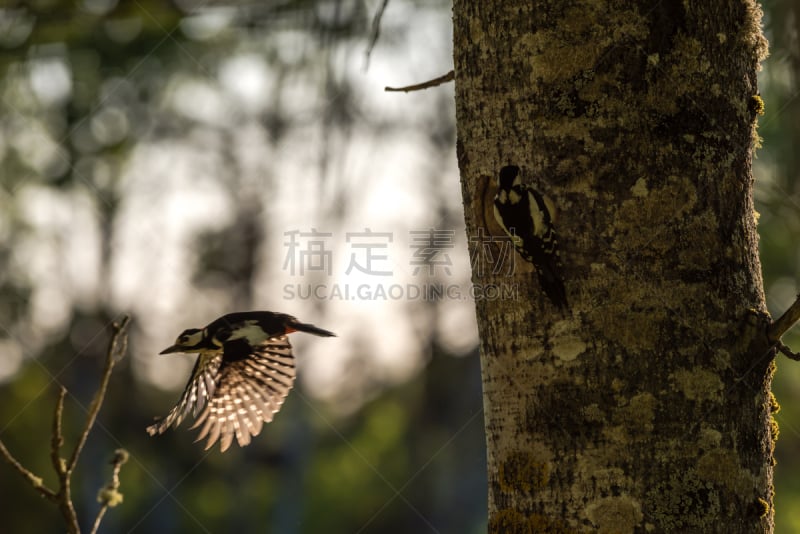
(116, 346)
(57, 439)
(787, 352)
(110, 496)
(64, 496)
(64, 499)
(99, 518)
(376, 30)
(449, 77)
(56, 443)
(35, 481)
(785, 322)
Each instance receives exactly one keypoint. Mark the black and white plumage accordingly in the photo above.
(527, 217)
(244, 370)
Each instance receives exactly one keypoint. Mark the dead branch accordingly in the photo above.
(449, 77)
(785, 322)
(110, 496)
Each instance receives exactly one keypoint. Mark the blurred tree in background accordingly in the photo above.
(777, 172)
(155, 158)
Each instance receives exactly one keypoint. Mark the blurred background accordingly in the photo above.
(180, 160)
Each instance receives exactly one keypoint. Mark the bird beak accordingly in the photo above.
(173, 348)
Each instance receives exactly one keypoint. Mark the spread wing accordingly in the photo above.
(200, 388)
(251, 386)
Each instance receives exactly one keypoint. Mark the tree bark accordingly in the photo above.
(646, 407)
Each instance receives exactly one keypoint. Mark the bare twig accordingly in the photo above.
(63, 468)
(376, 29)
(57, 439)
(64, 497)
(110, 496)
(786, 351)
(449, 77)
(116, 347)
(785, 322)
(35, 481)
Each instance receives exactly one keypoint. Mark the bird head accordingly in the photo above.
(191, 340)
(509, 177)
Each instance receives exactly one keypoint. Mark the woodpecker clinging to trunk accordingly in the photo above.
(527, 217)
(243, 372)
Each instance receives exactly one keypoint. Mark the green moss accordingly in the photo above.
(636, 330)
(618, 515)
(751, 34)
(523, 471)
(703, 230)
(722, 467)
(684, 503)
(576, 25)
(637, 417)
(548, 525)
(593, 414)
(774, 429)
(689, 56)
(508, 520)
(511, 521)
(669, 206)
(639, 189)
(763, 508)
(774, 407)
(757, 104)
(567, 348)
(697, 384)
(709, 439)
(722, 357)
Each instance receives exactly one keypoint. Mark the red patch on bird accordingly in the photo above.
(289, 330)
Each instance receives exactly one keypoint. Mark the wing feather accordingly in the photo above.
(249, 391)
(231, 394)
(198, 390)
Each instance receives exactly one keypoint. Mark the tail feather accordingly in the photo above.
(553, 287)
(310, 329)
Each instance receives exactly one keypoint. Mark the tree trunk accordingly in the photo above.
(646, 406)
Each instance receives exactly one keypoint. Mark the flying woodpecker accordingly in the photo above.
(243, 372)
(527, 217)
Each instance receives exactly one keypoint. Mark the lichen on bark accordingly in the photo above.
(645, 407)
